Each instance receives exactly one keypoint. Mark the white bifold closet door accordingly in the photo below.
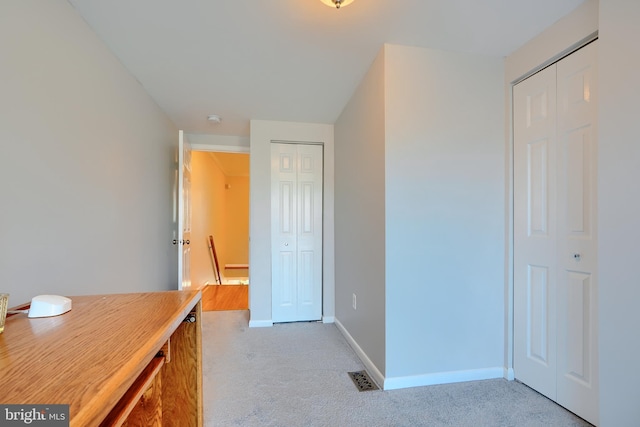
(296, 232)
(555, 236)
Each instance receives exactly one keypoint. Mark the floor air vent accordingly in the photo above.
(362, 381)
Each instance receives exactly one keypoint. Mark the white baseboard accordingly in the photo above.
(393, 383)
(328, 319)
(509, 374)
(373, 371)
(260, 323)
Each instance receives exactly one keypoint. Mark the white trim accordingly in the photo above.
(368, 364)
(393, 383)
(509, 218)
(236, 266)
(328, 319)
(277, 141)
(219, 148)
(260, 323)
(509, 374)
(443, 378)
(560, 55)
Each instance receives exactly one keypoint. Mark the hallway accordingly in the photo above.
(225, 297)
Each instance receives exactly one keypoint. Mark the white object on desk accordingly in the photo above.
(49, 305)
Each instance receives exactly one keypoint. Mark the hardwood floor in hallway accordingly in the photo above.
(225, 297)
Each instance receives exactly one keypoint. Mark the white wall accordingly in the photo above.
(420, 217)
(86, 161)
(237, 221)
(360, 228)
(560, 38)
(619, 212)
(444, 216)
(262, 133)
(208, 217)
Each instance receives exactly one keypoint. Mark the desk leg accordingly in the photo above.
(182, 377)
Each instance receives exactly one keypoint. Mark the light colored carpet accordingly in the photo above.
(295, 375)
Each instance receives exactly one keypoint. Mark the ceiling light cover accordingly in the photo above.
(337, 3)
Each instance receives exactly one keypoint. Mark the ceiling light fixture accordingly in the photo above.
(336, 3)
(214, 118)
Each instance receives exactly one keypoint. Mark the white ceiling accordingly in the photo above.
(290, 60)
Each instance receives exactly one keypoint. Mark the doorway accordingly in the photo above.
(220, 209)
(555, 236)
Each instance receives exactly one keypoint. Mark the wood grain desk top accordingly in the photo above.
(90, 356)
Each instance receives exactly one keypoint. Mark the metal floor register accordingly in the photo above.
(362, 381)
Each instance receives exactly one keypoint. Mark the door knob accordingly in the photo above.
(174, 241)
(577, 256)
(186, 242)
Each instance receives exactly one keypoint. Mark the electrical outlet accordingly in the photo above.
(354, 301)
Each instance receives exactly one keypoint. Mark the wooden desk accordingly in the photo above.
(92, 358)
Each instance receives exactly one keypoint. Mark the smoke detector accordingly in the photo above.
(214, 118)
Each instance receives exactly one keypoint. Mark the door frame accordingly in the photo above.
(509, 372)
(206, 148)
(183, 216)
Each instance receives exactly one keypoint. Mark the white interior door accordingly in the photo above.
(184, 212)
(577, 387)
(535, 231)
(296, 232)
(555, 260)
